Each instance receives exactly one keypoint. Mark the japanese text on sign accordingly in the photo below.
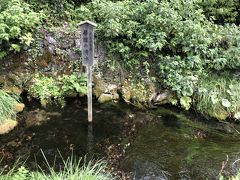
(87, 44)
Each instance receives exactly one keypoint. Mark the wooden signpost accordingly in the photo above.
(87, 43)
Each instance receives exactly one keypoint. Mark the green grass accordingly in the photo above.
(236, 177)
(72, 170)
(7, 104)
(218, 97)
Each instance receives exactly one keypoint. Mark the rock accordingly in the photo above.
(237, 115)
(2, 80)
(13, 90)
(137, 92)
(219, 114)
(112, 88)
(162, 98)
(104, 98)
(108, 97)
(11, 83)
(7, 126)
(50, 39)
(12, 77)
(78, 43)
(126, 92)
(100, 86)
(103, 91)
(115, 96)
(19, 107)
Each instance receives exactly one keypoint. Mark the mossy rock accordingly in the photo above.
(126, 94)
(137, 92)
(2, 80)
(108, 97)
(13, 90)
(7, 126)
(99, 86)
(19, 107)
(219, 114)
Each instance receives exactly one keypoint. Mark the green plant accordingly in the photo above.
(218, 96)
(47, 88)
(72, 169)
(17, 23)
(73, 83)
(236, 177)
(222, 11)
(174, 37)
(7, 105)
(56, 11)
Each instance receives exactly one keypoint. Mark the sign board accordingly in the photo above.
(87, 42)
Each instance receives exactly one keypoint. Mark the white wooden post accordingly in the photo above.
(87, 43)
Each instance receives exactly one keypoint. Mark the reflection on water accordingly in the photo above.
(168, 146)
(90, 139)
(178, 148)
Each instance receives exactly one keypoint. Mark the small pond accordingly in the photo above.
(155, 144)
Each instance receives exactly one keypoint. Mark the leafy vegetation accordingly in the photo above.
(173, 43)
(222, 11)
(218, 96)
(173, 37)
(17, 23)
(7, 105)
(236, 177)
(56, 11)
(72, 170)
(47, 88)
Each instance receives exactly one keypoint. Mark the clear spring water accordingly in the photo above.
(167, 145)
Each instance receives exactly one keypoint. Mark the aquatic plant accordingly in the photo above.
(7, 105)
(72, 169)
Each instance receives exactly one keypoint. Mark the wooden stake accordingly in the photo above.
(89, 85)
(87, 43)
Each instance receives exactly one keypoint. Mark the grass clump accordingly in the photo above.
(218, 97)
(236, 177)
(7, 105)
(72, 170)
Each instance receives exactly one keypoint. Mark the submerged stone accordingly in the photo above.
(38, 117)
(157, 144)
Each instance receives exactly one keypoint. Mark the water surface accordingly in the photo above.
(163, 143)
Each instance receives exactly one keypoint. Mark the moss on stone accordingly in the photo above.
(7, 126)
